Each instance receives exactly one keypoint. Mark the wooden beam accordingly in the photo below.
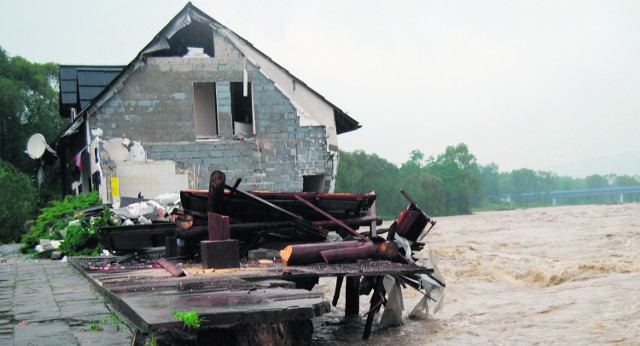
(352, 295)
(218, 226)
(328, 216)
(170, 267)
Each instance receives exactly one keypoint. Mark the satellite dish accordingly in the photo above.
(36, 146)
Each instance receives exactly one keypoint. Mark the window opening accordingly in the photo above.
(242, 108)
(204, 96)
(195, 34)
(313, 183)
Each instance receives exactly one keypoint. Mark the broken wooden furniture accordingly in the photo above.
(256, 219)
(249, 209)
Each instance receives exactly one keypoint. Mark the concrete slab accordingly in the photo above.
(228, 308)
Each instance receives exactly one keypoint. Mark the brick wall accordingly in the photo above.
(156, 107)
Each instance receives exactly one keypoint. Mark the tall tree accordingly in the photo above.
(17, 202)
(626, 180)
(359, 172)
(426, 189)
(596, 181)
(459, 172)
(28, 105)
(490, 181)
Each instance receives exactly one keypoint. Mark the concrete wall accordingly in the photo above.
(155, 107)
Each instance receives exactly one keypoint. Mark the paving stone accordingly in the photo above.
(50, 303)
(44, 333)
(80, 296)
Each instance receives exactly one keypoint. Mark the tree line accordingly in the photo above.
(453, 183)
(28, 105)
(446, 184)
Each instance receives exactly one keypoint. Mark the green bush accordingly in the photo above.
(82, 238)
(18, 198)
(56, 217)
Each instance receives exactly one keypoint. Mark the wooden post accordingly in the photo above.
(170, 247)
(220, 253)
(376, 302)
(218, 226)
(336, 292)
(352, 294)
(216, 192)
(373, 226)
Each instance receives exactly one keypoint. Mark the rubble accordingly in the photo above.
(226, 239)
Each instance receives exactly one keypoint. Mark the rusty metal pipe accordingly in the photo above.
(383, 250)
(310, 253)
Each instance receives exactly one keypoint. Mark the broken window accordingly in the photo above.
(196, 34)
(242, 108)
(204, 96)
(313, 183)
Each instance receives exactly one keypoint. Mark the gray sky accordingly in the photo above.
(535, 84)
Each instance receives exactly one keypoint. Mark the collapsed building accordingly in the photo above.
(199, 104)
(197, 98)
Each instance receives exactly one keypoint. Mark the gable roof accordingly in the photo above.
(160, 45)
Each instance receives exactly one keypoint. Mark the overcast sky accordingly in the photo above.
(535, 84)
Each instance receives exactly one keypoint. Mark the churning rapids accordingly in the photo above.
(557, 275)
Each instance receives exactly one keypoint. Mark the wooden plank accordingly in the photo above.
(170, 267)
(218, 226)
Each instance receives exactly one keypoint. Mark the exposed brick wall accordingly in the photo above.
(156, 107)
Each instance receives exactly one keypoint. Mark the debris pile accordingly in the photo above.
(313, 234)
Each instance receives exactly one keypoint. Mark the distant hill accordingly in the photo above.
(619, 164)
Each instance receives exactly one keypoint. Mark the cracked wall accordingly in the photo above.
(155, 108)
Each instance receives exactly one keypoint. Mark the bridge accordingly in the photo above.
(618, 190)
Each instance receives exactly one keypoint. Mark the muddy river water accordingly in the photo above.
(557, 275)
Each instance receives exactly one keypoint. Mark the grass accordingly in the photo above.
(151, 340)
(95, 327)
(191, 319)
(115, 320)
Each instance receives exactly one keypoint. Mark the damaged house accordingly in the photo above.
(197, 98)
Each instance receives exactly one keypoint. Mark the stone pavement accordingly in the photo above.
(44, 302)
